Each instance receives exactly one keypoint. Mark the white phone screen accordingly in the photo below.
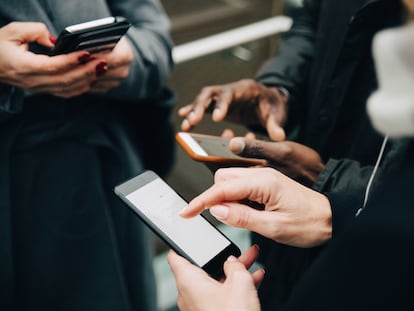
(196, 236)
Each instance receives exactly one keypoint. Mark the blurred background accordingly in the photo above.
(193, 20)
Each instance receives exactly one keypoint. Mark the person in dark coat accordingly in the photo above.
(316, 88)
(72, 127)
(365, 266)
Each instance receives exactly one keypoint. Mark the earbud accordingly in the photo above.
(391, 107)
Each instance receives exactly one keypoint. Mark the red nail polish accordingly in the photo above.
(101, 68)
(52, 39)
(84, 58)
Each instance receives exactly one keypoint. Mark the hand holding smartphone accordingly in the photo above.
(213, 149)
(95, 36)
(196, 239)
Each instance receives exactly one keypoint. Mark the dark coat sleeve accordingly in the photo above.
(152, 46)
(369, 266)
(289, 67)
(344, 206)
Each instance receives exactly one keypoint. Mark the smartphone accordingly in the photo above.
(213, 149)
(196, 239)
(94, 36)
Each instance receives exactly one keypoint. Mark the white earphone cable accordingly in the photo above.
(371, 178)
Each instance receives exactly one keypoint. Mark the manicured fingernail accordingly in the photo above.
(220, 212)
(52, 39)
(232, 258)
(216, 112)
(84, 58)
(101, 68)
(185, 124)
(237, 145)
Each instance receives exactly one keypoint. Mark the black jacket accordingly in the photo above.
(325, 63)
(368, 266)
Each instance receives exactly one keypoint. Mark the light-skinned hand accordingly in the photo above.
(293, 214)
(199, 292)
(64, 75)
(118, 63)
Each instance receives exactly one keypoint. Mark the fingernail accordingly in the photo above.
(237, 145)
(182, 211)
(84, 58)
(101, 68)
(93, 83)
(185, 124)
(232, 258)
(216, 112)
(52, 39)
(220, 212)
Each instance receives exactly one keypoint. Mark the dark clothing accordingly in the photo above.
(325, 63)
(67, 242)
(369, 266)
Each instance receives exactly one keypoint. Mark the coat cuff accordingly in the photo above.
(344, 206)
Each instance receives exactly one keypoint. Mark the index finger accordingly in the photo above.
(229, 190)
(202, 102)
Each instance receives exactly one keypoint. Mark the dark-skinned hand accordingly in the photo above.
(246, 102)
(293, 159)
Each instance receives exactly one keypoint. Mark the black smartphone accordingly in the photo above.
(196, 239)
(94, 36)
(213, 149)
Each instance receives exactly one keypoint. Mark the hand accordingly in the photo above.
(293, 159)
(117, 69)
(293, 214)
(199, 292)
(246, 102)
(61, 75)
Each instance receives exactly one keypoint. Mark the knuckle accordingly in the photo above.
(41, 27)
(30, 84)
(242, 218)
(49, 68)
(205, 89)
(65, 83)
(12, 27)
(124, 74)
(240, 276)
(219, 175)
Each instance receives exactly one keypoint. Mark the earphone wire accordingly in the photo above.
(371, 178)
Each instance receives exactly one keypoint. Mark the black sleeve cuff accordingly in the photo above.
(344, 206)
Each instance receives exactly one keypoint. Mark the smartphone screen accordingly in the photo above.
(158, 205)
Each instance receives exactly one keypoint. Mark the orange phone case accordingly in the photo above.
(227, 157)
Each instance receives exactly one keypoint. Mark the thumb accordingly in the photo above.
(233, 265)
(25, 32)
(254, 148)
